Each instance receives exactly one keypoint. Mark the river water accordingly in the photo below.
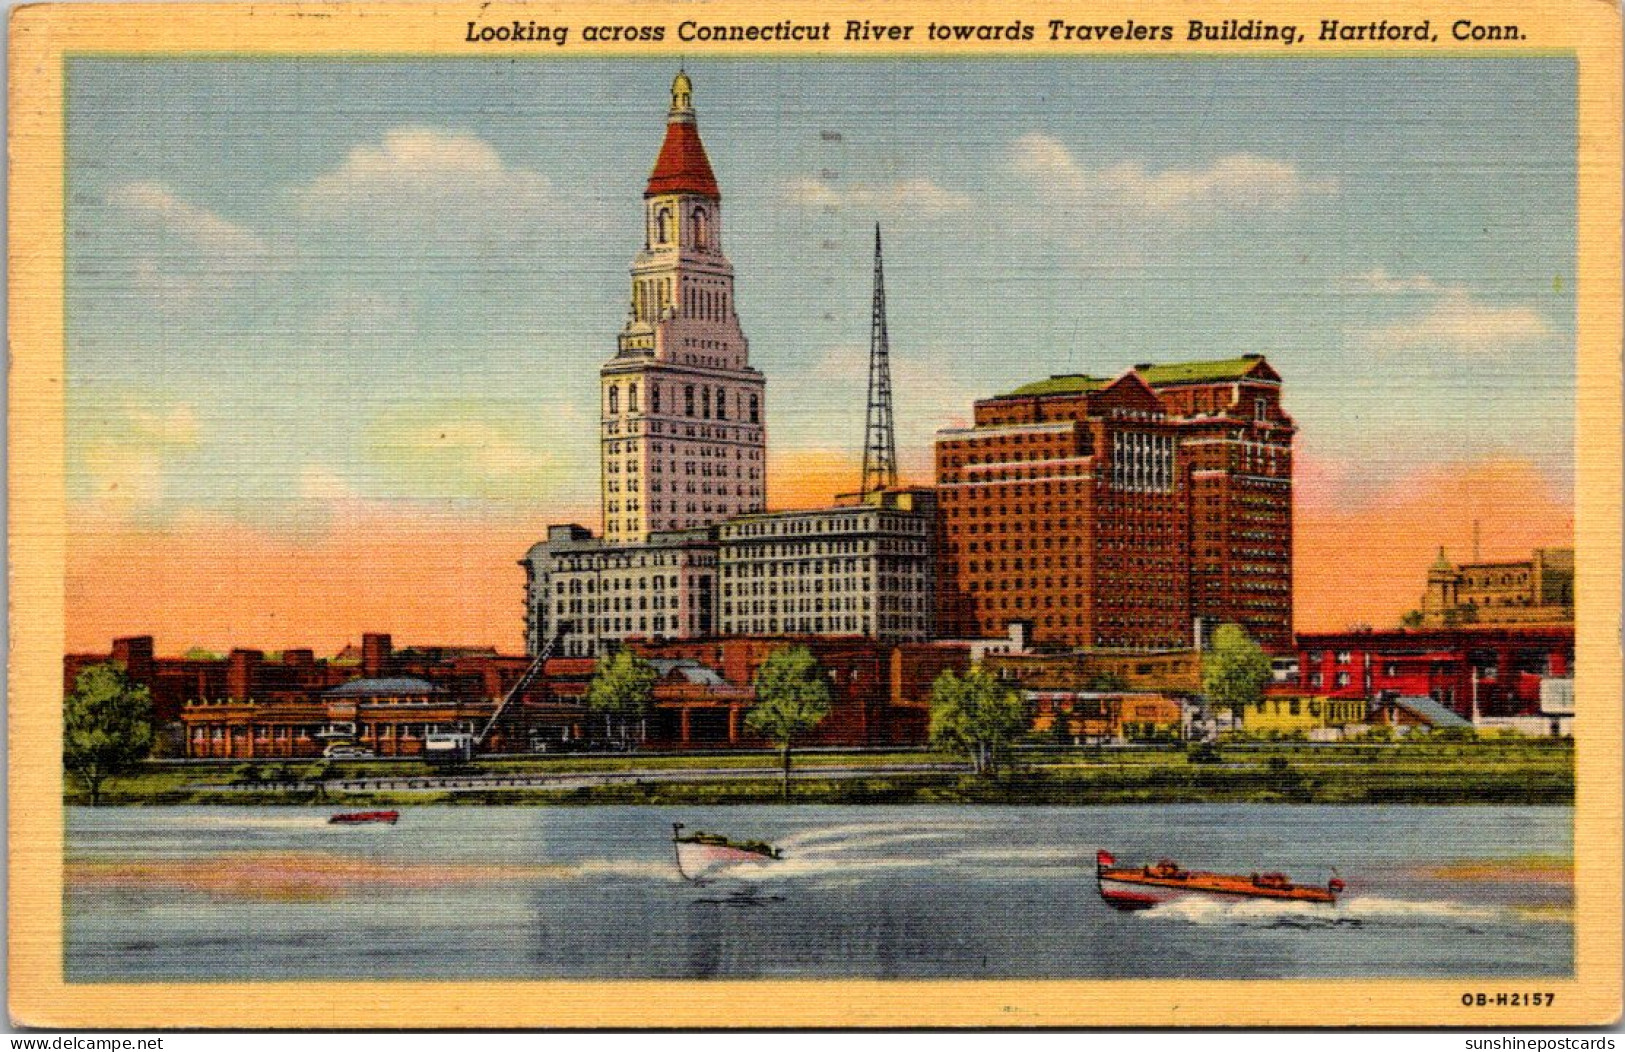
(863, 892)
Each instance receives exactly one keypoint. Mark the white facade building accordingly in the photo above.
(593, 595)
(861, 570)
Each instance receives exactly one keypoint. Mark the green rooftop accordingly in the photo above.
(1155, 375)
(1075, 383)
(1198, 372)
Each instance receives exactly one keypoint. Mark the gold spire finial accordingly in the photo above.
(682, 95)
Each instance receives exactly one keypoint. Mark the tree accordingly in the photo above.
(1234, 670)
(106, 726)
(976, 713)
(792, 697)
(1107, 682)
(1411, 619)
(622, 689)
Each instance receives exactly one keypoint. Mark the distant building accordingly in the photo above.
(880, 692)
(1537, 590)
(1173, 672)
(1313, 716)
(250, 705)
(1091, 717)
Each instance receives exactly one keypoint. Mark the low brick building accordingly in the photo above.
(1472, 670)
(880, 692)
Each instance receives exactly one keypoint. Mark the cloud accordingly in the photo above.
(190, 253)
(1458, 323)
(200, 227)
(471, 450)
(901, 198)
(1047, 161)
(320, 484)
(125, 456)
(1379, 280)
(421, 180)
(1239, 182)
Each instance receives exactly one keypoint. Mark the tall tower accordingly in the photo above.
(683, 437)
(879, 437)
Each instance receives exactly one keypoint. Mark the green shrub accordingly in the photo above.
(1204, 752)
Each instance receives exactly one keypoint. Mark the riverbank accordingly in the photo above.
(1481, 772)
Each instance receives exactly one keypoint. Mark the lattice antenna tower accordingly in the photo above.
(879, 436)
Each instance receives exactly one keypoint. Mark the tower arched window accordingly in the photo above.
(705, 402)
(701, 232)
(632, 398)
(654, 398)
(688, 399)
(755, 410)
(722, 404)
(614, 399)
(663, 226)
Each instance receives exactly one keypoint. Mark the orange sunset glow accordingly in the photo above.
(432, 578)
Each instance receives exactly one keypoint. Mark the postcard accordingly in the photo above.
(713, 515)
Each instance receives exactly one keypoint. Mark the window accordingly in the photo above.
(663, 226)
(632, 398)
(688, 399)
(1261, 408)
(654, 400)
(1342, 679)
(614, 399)
(722, 404)
(755, 410)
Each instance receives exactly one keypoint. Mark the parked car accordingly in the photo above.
(348, 752)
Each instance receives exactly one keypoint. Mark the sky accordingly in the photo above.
(334, 326)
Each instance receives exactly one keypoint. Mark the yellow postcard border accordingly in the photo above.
(43, 35)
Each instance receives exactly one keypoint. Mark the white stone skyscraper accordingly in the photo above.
(683, 435)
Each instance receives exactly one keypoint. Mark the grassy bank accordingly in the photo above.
(1492, 771)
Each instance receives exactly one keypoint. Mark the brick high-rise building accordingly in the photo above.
(1237, 441)
(1116, 513)
(683, 435)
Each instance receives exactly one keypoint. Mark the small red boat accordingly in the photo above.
(357, 818)
(1142, 887)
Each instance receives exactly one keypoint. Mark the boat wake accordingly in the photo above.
(1366, 911)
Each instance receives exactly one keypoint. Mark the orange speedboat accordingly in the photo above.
(1142, 887)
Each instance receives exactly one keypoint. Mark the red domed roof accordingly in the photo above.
(682, 167)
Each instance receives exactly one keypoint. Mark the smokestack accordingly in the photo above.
(135, 654)
(376, 649)
(240, 669)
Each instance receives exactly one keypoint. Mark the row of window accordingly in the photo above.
(708, 400)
